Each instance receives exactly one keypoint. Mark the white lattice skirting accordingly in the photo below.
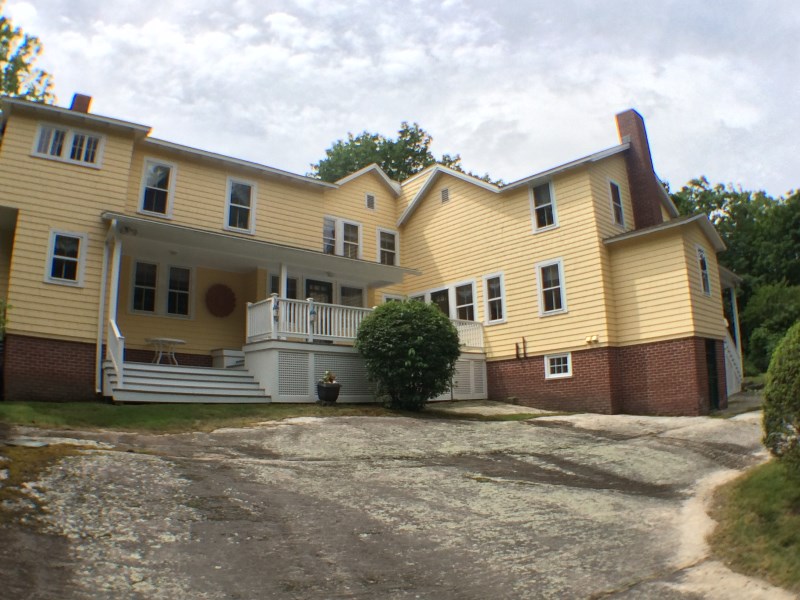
(289, 371)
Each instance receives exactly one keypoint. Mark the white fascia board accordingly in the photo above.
(702, 220)
(549, 173)
(237, 162)
(57, 112)
(391, 184)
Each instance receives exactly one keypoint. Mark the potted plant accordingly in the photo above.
(328, 388)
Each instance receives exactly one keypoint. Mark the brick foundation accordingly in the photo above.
(55, 370)
(662, 378)
(45, 369)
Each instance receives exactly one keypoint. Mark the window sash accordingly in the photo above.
(465, 306)
(388, 249)
(329, 236)
(616, 204)
(51, 141)
(494, 297)
(178, 291)
(291, 286)
(156, 190)
(558, 366)
(552, 292)
(240, 205)
(544, 213)
(145, 282)
(704, 278)
(352, 296)
(350, 235)
(66, 257)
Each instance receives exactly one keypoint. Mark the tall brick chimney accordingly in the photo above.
(645, 188)
(81, 103)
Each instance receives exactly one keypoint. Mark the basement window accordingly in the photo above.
(558, 366)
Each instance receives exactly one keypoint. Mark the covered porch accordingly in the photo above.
(233, 303)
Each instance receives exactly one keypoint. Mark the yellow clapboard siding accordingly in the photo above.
(706, 309)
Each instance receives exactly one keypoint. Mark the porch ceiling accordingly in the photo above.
(154, 240)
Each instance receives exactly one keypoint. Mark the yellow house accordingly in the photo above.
(578, 288)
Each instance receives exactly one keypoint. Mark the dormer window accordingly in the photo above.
(68, 145)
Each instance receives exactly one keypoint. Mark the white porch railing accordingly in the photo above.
(733, 366)
(275, 318)
(115, 347)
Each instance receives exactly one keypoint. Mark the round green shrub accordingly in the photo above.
(410, 349)
(782, 401)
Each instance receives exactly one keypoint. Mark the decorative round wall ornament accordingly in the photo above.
(220, 300)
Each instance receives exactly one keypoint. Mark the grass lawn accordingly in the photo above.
(759, 525)
(172, 418)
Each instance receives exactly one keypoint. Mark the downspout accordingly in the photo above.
(101, 313)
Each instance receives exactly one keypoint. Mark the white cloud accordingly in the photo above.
(513, 87)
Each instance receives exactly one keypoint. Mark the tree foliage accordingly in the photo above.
(769, 313)
(782, 401)
(19, 77)
(410, 349)
(400, 158)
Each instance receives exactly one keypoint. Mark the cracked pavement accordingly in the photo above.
(582, 506)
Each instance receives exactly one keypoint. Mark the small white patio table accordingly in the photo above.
(165, 348)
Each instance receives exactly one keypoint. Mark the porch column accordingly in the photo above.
(116, 259)
(284, 283)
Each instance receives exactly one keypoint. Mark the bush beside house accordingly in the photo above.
(782, 401)
(410, 349)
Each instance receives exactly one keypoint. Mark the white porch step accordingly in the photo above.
(144, 382)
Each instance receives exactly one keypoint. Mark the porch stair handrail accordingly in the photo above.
(115, 345)
(733, 364)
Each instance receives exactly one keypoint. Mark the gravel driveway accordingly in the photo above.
(582, 506)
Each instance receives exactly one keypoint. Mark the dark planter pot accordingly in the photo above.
(328, 392)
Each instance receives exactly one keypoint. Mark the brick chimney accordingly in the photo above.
(645, 187)
(81, 103)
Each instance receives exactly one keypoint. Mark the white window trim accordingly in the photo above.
(548, 357)
(82, 249)
(621, 224)
(374, 201)
(486, 310)
(563, 284)
(396, 244)
(338, 229)
(532, 201)
(701, 253)
(70, 134)
(162, 289)
(451, 297)
(386, 297)
(170, 192)
(253, 195)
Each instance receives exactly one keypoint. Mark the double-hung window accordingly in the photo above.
(157, 188)
(240, 206)
(65, 258)
(69, 145)
(465, 305)
(387, 247)
(616, 204)
(161, 291)
(702, 262)
(493, 293)
(341, 237)
(552, 295)
(145, 281)
(178, 291)
(543, 207)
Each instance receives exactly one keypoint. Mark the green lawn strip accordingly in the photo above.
(165, 418)
(759, 525)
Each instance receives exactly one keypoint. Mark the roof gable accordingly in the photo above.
(393, 186)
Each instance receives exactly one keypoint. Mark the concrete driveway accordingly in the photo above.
(581, 506)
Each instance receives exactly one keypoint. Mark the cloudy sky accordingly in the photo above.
(514, 86)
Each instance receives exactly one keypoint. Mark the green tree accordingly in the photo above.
(400, 158)
(19, 77)
(410, 350)
(769, 313)
(781, 418)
